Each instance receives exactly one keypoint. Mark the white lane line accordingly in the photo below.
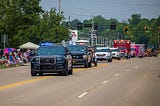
(116, 74)
(83, 94)
(136, 67)
(127, 70)
(104, 81)
(22, 72)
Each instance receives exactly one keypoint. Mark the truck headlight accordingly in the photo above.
(35, 60)
(60, 59)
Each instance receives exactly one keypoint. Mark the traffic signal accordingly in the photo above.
(146, 28)
(113, 26)
(126, 29)
(79, 26)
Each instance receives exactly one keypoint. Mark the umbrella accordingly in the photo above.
(8, 50)
(29, 45)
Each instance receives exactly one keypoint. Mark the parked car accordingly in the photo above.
(116, 53)
(103, 53)
(52, 59)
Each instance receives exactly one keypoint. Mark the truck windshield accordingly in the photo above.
(132, 49)
(122, 48)
(115, 50)
(53, 50)
(102, 50)
(77, 48)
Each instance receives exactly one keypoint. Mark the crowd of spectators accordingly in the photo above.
(17, 57)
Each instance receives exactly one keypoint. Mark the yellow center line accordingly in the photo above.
(41, 78)
(23, 82)
(123, 61)
(84, 69)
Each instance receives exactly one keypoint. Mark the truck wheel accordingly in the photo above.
(86, 65)
(90, 64)
(33, 73)
(40, 74)
(71, 71)
(95, 63)
(65, 73)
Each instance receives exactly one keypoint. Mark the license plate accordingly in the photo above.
(74, 61)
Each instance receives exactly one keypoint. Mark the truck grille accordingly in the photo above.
(47, 61)
(100, 54)
(47, 67)
(77, 56)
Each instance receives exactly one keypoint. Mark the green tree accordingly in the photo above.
(20, 18)
(51, 27)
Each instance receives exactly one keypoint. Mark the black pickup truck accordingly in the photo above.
(52, 59)
(80, 55)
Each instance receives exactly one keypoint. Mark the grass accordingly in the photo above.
(2, 67)
(5, 67)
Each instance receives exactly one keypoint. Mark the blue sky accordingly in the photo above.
(119, 9)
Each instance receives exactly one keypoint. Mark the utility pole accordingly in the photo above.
(158, 37)
(92, 31)
(59, 6)
(93, 36)
(69, 22)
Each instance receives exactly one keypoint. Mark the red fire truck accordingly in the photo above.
(124, 47)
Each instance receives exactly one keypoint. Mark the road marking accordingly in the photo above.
(78, 69)
(23, 82)
(1, 70)
(83, 94)
(85, 69)
(104, 81)
(127, 70)
(23, 72)
(123, 61)
(116, 74)
(136, 67)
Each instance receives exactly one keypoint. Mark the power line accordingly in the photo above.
(129, 4)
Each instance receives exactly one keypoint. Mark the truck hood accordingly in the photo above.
(101, 53)
(77, 53)
(49, 56)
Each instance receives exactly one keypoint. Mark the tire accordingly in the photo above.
(66, 71)
(95, 63)
(90, 64)
(110, 60)
(71, 71)
(33, 73)
(86, 65)
(119, 58)
(40, 74)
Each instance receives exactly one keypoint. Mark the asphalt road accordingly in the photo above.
(133, 82)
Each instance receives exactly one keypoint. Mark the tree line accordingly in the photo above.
(25, 20)
(136, 29)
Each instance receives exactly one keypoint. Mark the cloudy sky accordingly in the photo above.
(119, 9)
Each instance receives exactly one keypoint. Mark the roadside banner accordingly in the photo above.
(74, 36)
